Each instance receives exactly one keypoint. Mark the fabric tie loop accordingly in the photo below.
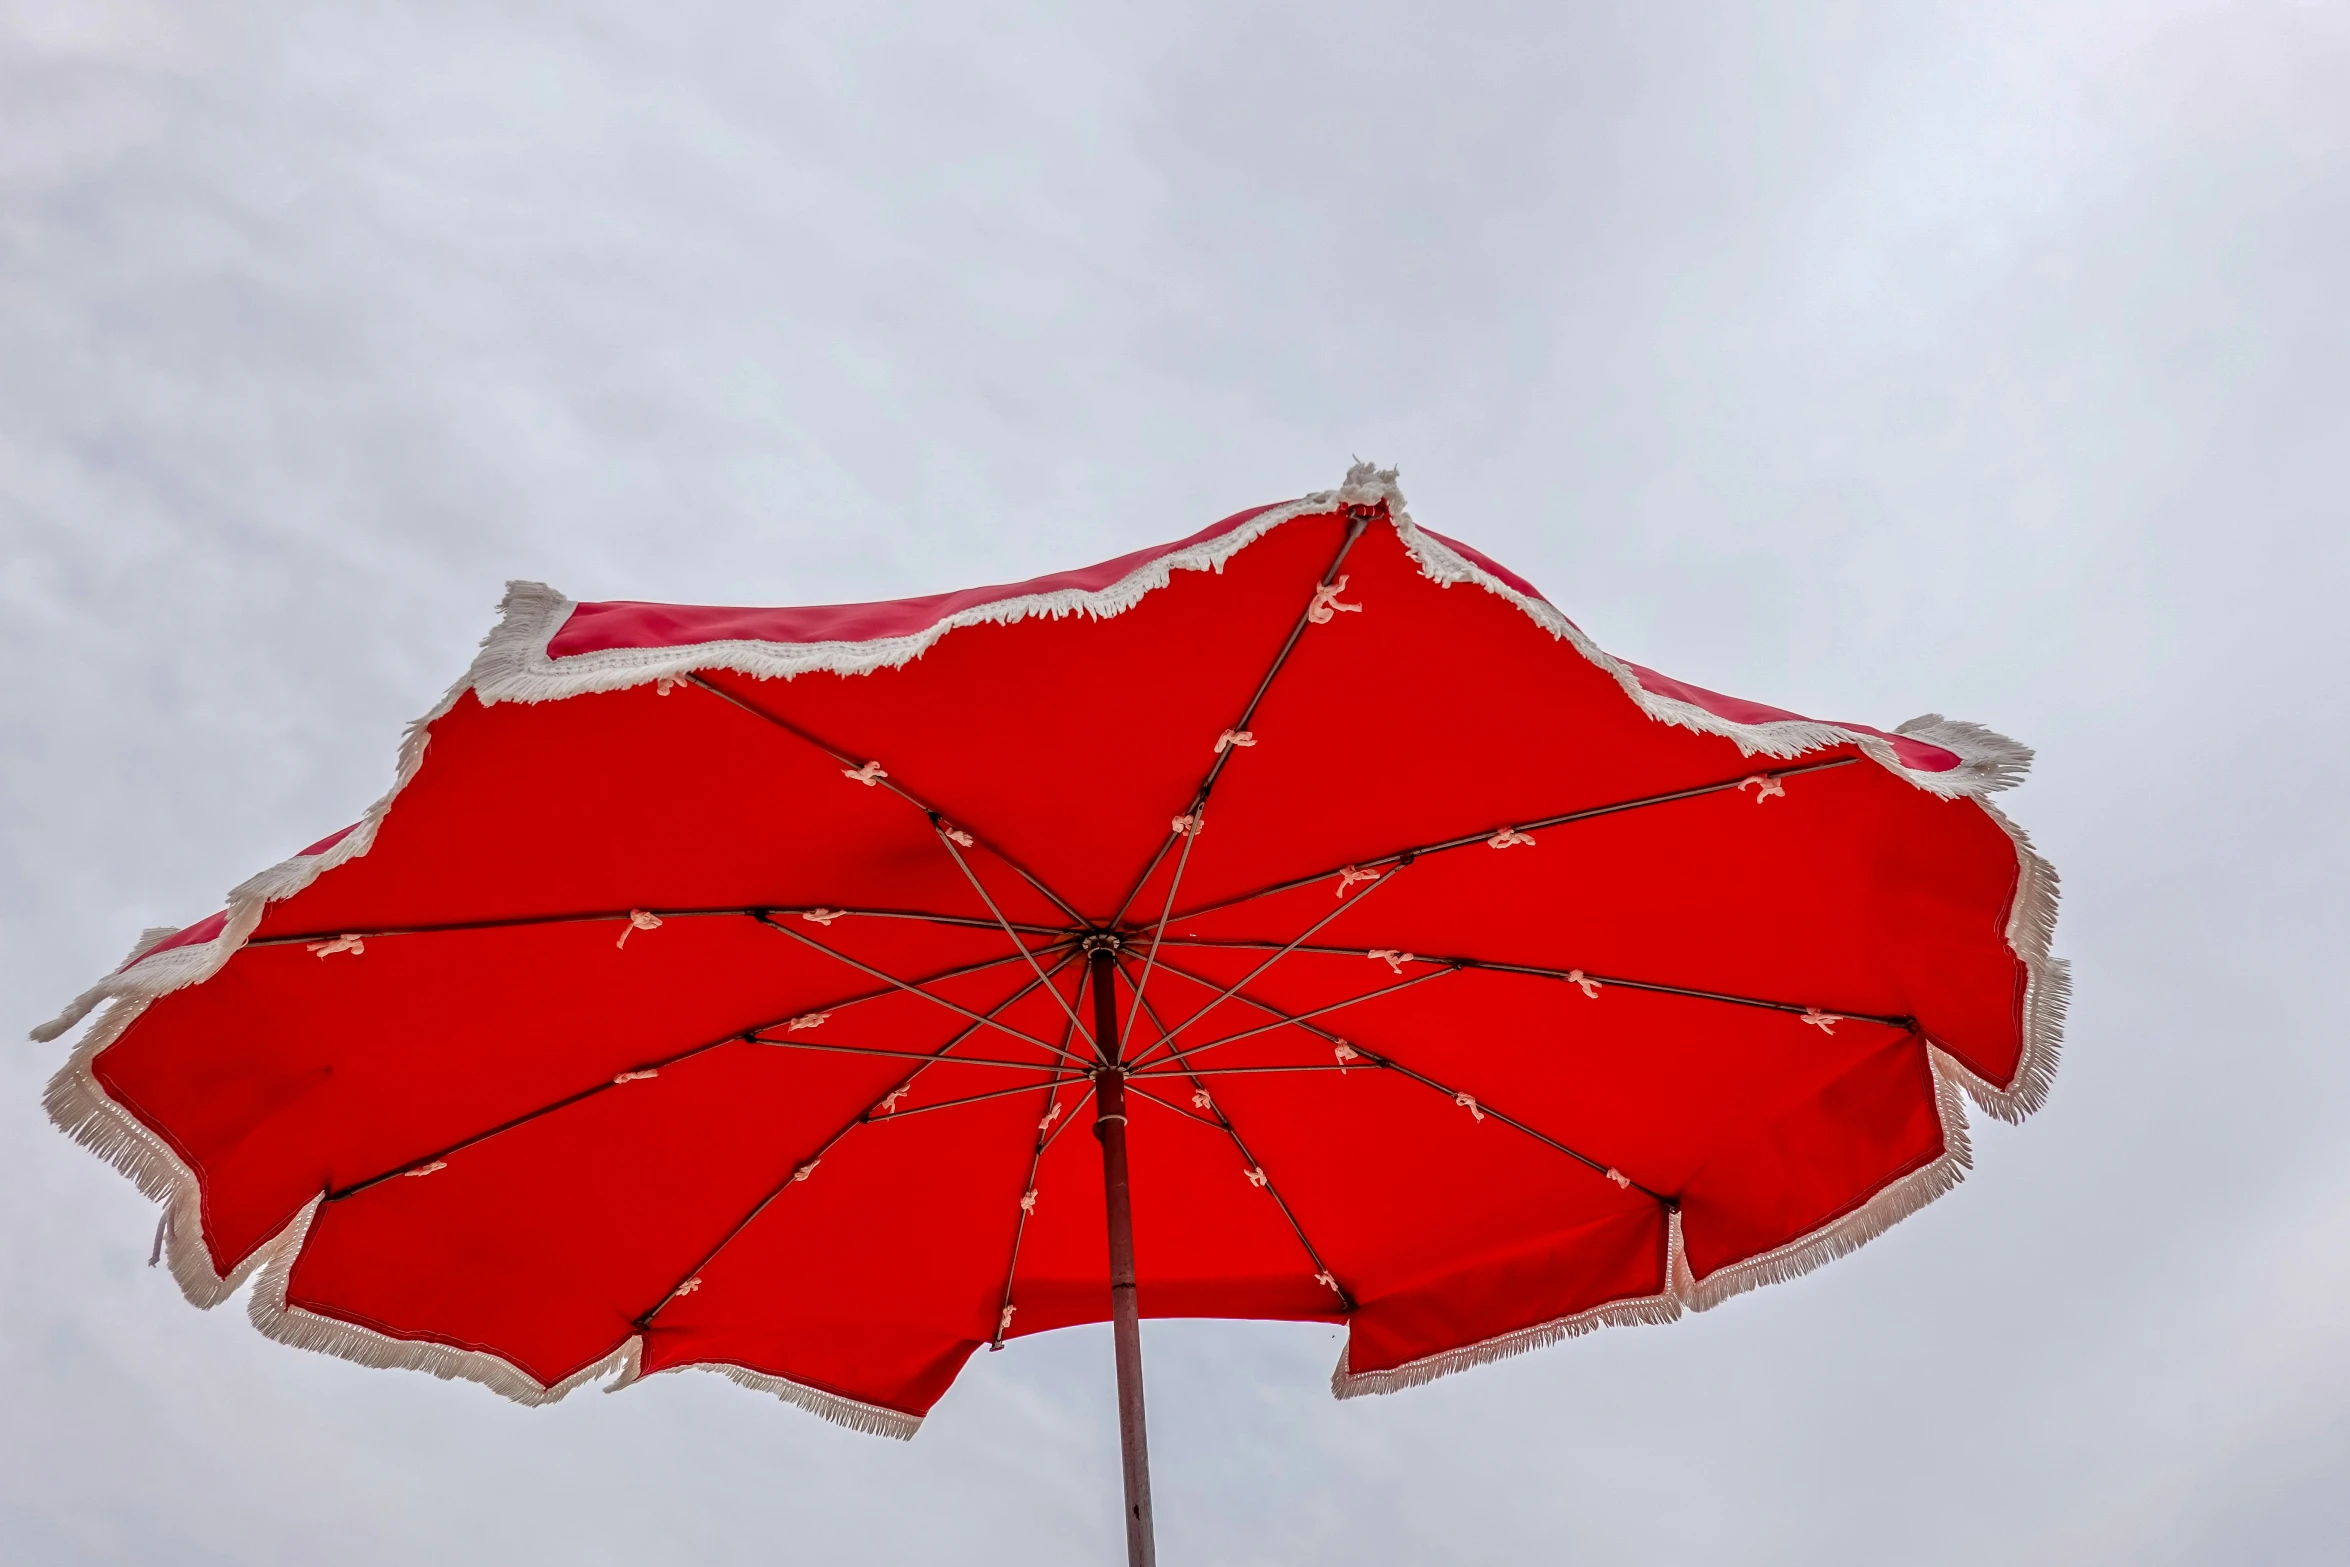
(823, 917)
(687, 1288)
(638, 919)
(889, 1101)
(1394, 960)
(1619, 1177)
(957, 834)
(1187, 826)
(1764, 785)
(1326, 607)
(1825, 1022)
(806, 1170)
(1509, 837)
(1028, 1200)
(1468, 1102)
(636, 1077)
(807, 1020)
(1051, 1116)
(1590, 986)
(1256, 1176)
(1200, 1100)
(1348, 875)
(1234, 737)
(868, 775)
(354, 945)
(427, 1169)
(1345, 1053)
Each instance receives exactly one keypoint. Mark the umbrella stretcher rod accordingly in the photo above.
(1109, 1125)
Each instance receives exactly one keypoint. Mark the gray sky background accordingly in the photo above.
(1862, 358)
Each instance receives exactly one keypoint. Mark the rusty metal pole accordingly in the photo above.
(1109, 1125)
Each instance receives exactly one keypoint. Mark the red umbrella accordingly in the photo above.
(719, 987)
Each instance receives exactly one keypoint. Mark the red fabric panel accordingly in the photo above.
(205, 929)
(1913, 753)
(1618, 1257)
(331, 839)
(592, 628)
(571, 1207)
(1792, 1167)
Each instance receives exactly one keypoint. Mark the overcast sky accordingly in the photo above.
(1862, 358)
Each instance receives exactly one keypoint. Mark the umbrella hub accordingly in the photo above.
(1108, 941)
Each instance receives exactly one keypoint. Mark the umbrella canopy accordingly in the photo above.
(720, 987)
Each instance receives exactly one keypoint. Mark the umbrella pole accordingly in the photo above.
(1109, 1125)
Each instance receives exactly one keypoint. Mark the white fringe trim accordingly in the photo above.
(1841, 1237)
(624, 1367)
(80, 1108)
(856, 1414)
(1988, 762)
(141, 981)
(308, 1330)
(1837, 1238)
(2048, 985)
(513, 666)
(1648, 1310)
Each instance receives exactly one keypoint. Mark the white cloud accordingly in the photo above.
(1867, 361)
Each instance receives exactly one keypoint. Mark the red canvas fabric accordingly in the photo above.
(541, 1130)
